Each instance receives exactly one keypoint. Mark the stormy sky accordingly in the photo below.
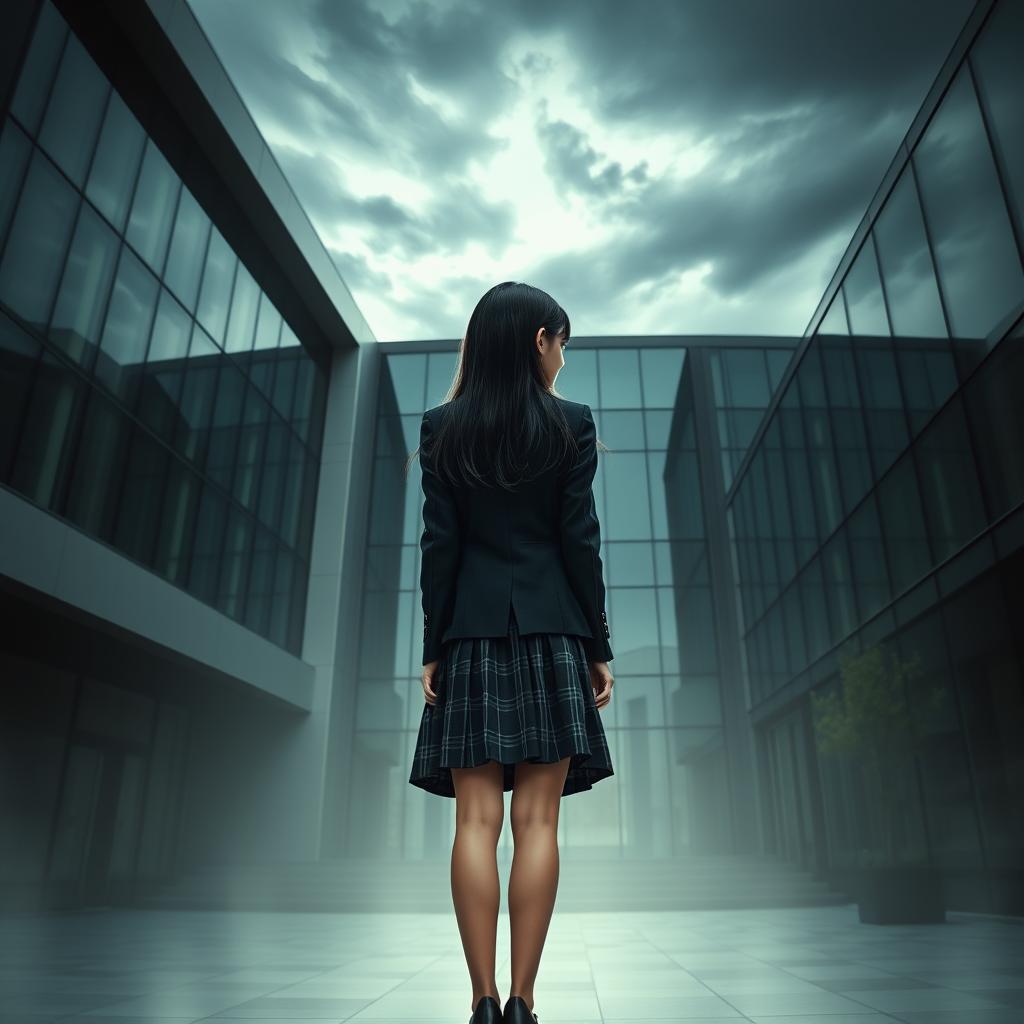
(659, 167)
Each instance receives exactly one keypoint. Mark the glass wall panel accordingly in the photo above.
(820, 450)
(978, 263)
(19, 353)
(98, 472)
(251, 447)
(310, 402)
(164, 371)
(995, 60)
(903, 523)
(139, 509)
(45, 447)
(235, 563)
(814, 602)
(781, 511)
(215, 293)
(177, 523)
(36, 245)
(242, 322)
(15, 151)
(848, 421)
(288, 372)
(867, 559)
(839, 584)
(742, 383)
(74, 112)
(192, 435)
(36, 79)
(885, 416)
(778, 360)
(108, 290)
(744, 377)
(296, 509)
(835, 320)
(950, 491)
(661, 370)
(936, 731)
(261, 577)
(996, 415)
(126, 332)
(156, 196)
(619, 374)
(798, 472)
(188, 250)
(865, 305)
(227, 417)
(911, 291)
(793, 623)
(273, 476)
(209, 539)
(264, 359)
(923, 352)
(623, 430)
(116, 163)
(85, 288)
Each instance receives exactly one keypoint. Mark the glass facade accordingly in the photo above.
(102, 815)
(743, 382)
(814, 562)
(664, 725)
(152, 394)
(877, 530)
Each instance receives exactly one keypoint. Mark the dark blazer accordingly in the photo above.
(537, 550)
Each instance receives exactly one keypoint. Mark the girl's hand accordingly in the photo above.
(429, 678)
(601, 681)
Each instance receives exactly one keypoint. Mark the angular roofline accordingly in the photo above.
(159, 58)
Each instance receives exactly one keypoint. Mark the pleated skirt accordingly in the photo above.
(511, 699)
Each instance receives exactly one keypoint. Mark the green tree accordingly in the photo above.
(868, 719)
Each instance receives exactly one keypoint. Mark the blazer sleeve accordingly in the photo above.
(440, 547)
(581, 539)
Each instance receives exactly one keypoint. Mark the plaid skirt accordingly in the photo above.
(510, 699)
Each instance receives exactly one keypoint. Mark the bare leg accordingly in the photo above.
(476, 890)
(533, 881)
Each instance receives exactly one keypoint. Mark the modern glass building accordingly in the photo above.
(676, 415)
(155, 396)
(877, 520)
(209, 556)
(170, 328)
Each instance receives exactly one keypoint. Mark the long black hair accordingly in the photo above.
(500, 410)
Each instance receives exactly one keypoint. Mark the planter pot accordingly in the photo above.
(901, 894)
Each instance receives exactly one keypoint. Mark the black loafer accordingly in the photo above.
(488, 1011)
(517, 1012)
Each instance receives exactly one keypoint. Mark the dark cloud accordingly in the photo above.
(358, 274)
(571, 160)
(318, 181)
(805, 104)
(779, 204)
(453, 218)
(279, 93)
(380, 62)
(705, 61)
(801, 105)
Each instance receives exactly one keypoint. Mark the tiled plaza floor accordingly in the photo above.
(801, 966)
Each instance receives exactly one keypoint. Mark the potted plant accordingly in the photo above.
(867, 720)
